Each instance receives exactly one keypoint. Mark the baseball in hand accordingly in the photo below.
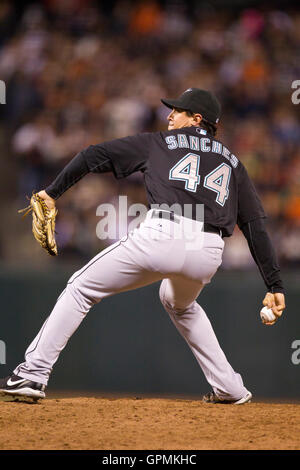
(267, 315)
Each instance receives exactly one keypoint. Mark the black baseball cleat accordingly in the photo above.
(211, 397)
(19, 387)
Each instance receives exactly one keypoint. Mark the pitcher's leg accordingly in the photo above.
(178, 298)
(109, 272)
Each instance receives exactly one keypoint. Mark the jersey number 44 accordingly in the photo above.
(187, 170)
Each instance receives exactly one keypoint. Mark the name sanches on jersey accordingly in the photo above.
(203, 144)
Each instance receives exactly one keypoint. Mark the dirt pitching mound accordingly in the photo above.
(147, 423)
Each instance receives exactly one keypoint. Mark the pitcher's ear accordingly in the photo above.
(197, 118)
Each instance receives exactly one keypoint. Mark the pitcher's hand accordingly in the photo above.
(276, 302)
(50, 202)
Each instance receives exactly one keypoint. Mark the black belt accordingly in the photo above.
(212, 229)
(171, 216)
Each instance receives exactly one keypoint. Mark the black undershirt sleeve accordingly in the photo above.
(121, 156)
(263, 254)
(249, 204)
(83, 163)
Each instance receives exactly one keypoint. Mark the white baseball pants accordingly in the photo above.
(184, 258)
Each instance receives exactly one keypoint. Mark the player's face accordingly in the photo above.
(179, 118)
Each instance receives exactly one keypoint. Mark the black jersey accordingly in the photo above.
(184, 168)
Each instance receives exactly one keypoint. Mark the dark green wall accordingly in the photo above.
(128, 344)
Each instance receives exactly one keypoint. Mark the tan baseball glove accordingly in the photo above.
(43, 223)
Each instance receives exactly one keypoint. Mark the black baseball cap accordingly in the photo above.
(197, 101)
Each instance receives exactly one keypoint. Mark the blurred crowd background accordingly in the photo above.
(79, 72)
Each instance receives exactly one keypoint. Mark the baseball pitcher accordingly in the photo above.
(185, 166)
